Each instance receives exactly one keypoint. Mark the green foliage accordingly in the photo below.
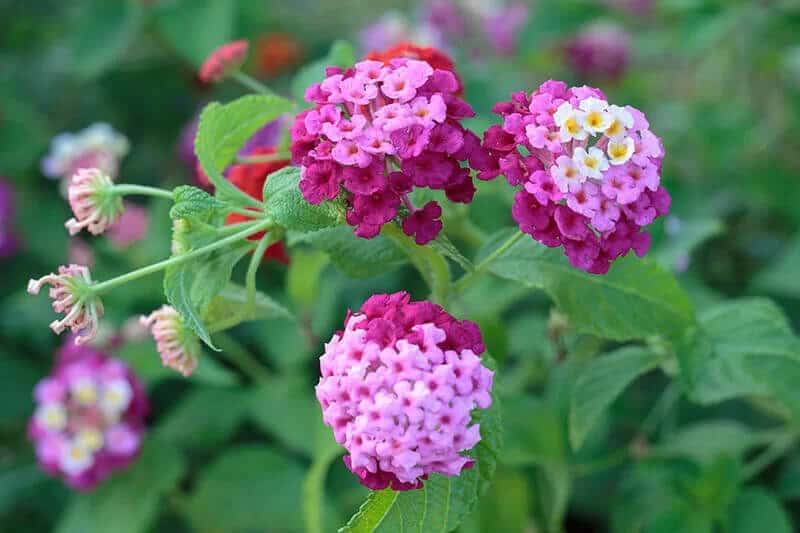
(193, 203)
(194, 28)
(601, 383)
(755, 509)
(286, 205)
(636, 299)
(224, 129)
(431, 266)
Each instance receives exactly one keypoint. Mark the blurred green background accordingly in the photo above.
(718, 80)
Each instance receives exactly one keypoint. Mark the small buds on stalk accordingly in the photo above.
(178, 346)
(72, 294)
(95, 205)
(223, 61)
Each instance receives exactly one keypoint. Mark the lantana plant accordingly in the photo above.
(368, 168)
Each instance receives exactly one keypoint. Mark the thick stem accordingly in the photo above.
(161, 265)
(468, 278)
(125, 189)
(251, 83)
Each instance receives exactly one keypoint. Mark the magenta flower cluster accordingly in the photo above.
(398, 388)
(589, 171)
(89, 418)
(378, 131)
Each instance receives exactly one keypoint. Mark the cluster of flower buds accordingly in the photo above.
(398, 387)
(72, 294)
(223, 61)
(98, 146)
(590, 172)
(601, 49)
(178, 346)
(378, 131)
(94, 205)
(89, 418)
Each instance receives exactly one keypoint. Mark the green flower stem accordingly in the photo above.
(251, 213)
(161, 265)
(240, 357)
(251, 83)
(467, 279)
(266, 158)
(125, 189)
(778, 449)
(250, 286)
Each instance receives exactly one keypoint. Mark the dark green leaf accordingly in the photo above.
(601, 383)
(636, 299)
(780, 277)
(756, 509)
(284, 202)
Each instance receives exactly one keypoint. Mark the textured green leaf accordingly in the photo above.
(224, 129)
(284, 202)
(601, 383)
(341, 54)
(445, 247)
(356, 257)
(103, 34)
(190, 287)
(196, 27)
(756, 509)
(193, 203)
(249, 488)
(129, 502)
(636, 299)
(443, 502)
(432, 266)
(741, 347)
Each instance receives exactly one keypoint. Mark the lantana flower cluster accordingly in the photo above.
(177, 345)
(377, 132)
(398, 388)
(89, 418)
(589, 171)
(97, 146)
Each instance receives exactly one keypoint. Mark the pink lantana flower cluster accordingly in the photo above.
(589, 171)
(378, 131)
(398, 388)
(89, 418)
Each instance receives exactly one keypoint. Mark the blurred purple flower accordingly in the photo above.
(502, 27)
(131, 226)
(601, 49)
(9, 243)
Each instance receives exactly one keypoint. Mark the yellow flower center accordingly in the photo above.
(590, 162)
(594, 119)
(571, 125)
(614, 129)
(618, 151)
(569, 173)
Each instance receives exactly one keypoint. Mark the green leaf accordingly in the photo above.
(231, 299)
(284, 202)
(692, 233)
(780, 277)
(341, 54)
(431, 266)
(742, 347)
(194, 28)
(636, 299)
(205, 418)
(103, 34)
(533, 432)
(552, 485)
(506, 507)
(249, 488)
(194, 203)
(756, 509)
(601, 383)
(445, 247)
(131, 499)
(144, 360)
(443, 502)
(302, 280)
(224, 129)
(356, 257)
(190, 287)
(704, 441)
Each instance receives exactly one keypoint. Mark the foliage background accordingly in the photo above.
(719, 81)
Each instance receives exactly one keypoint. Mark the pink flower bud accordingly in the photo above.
(93, 202)
(223, 61)
(71, 292)
(177, 345)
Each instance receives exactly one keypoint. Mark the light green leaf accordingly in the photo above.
(233, 297)
(741, 347)
(302, 280)
(445, 247)
(103, 34)
(780, 277)
(431, 266)
(294, 399)
(534, 433)
(193, 203)
(249, 488)
(130, 500)
(636, 299)
(341, 54)
(704, 441)
(224, 129)
(601, 383)
(190, 287)
(196, 27)
(356, 257)
(443, 502)
(284, 202)
(756, 509)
